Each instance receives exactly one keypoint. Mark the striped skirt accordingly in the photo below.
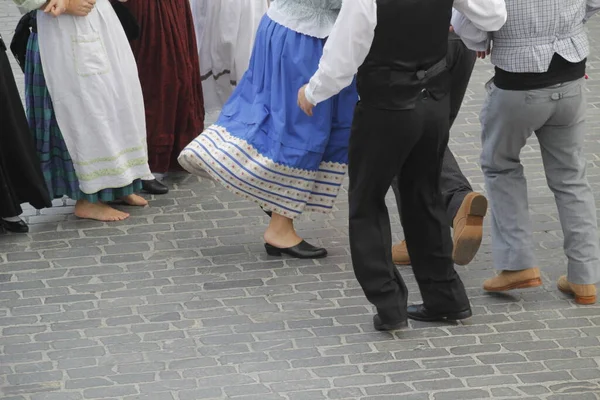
(263, 147)
(52, 151)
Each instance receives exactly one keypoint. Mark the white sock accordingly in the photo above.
(12, 219)
(159, 177)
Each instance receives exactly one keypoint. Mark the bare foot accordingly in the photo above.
(135, 200)
(281, 232)
(98, 211)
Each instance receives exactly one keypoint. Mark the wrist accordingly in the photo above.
(69, 7)
(308, 93)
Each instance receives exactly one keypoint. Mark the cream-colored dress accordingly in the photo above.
(225, 32)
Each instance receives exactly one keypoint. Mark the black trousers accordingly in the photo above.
(408, 144)
(453, 184)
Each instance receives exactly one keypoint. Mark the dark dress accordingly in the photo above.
(21, 179)
(167, 56)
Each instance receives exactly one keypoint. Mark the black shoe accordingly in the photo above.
(15, 227)
(301, 250)
(418, 312)
(381, 325)
(154, 187)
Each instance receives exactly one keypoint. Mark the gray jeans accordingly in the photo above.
(557, 116)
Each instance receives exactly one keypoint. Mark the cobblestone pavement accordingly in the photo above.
(180, 303)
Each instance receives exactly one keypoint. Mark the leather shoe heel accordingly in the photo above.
(384, 326)
(154, 187)
(272, 250)
(419, 312)
(301, 250)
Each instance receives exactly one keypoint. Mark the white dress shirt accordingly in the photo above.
(353, 33)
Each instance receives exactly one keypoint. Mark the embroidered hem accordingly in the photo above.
(276, 187)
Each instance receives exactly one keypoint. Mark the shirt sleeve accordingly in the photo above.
(345, 51)
(473, 19)
(592, 7)
(488, 16)
(29, 5)
(473, 37)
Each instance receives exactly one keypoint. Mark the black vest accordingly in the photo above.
(408, 55)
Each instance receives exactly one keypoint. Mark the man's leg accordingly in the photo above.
(464, 208)
(379, 143)
(561, 141)
(508, 118)
(424, 219)
(454, 185)
(399, 251)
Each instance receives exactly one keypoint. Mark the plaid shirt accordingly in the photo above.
(537, 29)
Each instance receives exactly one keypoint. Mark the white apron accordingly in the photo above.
(93, 82)
(225, 32)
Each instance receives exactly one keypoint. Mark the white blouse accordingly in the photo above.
(310, 17)
(28, 5)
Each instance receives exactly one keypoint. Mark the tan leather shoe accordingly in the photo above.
(400, 254)
(509, 280)
(584, 294)
(468, 228)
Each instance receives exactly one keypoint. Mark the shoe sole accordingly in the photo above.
(393, 327)
(583, 300)
(154, 192)
(469, 239)
(275, 252)
(445, 317)
(530, 283)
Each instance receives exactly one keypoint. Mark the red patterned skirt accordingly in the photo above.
(169, 69)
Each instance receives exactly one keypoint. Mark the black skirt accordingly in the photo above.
(21, 178)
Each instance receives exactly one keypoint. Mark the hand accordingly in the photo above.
(303, 102)
(56, 7)
(80, 8)
(451, 28)
(483, 54)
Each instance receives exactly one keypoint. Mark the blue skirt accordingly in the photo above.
(263, 147)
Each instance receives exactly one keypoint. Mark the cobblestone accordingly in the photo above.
(180, 302)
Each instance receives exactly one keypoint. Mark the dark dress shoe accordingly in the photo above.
(418, 312)
(15, 227)
(382, 325)
(301, 250)
(154, 187)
